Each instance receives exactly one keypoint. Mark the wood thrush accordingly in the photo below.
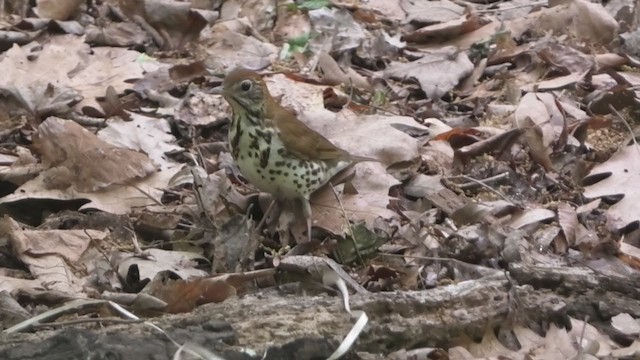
(274, 150)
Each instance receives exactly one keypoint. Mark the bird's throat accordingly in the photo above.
(248, 128)
(249, 112)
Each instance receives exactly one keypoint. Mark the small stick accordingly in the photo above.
(112, 320)
(344, 214)
(626, 123)
(482, 183)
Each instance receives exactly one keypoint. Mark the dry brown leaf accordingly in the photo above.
(439, 156)
(631, 251)
(332, 74)
(339, 31)
(630, 352)
(289, 24)
(227, 49)
(591, 335)
(494, 144)
(437, 72)
(534, 118)
(460, 353)
(260, 13)
(617, 176)
(633, 79)
(116, 199)
(50, 254)
(466, 40)
(66, 73)
(586, 20)
(489, 347)
(538, 151)
(568, 220)
(107, 66)
(364, 206)
(626, 324)
(392, 11)
(122, 34)
(543, 111)
(184, 295)
(235, 244)
(564, 58)
(421, 185)
(527, 338)
(12, 284)
(446, 30)
(148, 264)
(79, 159)
(582, 19)
(147, 135)
(430, 12)
(175, 23)
(41, 85)
(558, 345)
(297, 95)
(530, 216)
(556, 83)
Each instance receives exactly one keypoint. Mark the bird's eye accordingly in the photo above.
(245, 85)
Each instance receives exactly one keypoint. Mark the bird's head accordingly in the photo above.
(245, 91)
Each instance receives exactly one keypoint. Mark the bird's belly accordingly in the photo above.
(268, 167)
(265, 178)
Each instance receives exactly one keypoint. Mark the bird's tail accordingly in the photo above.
(358, 159)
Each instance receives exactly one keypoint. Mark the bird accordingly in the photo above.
(273, 149)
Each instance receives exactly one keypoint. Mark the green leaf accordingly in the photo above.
(365, 244)
(379, 98)
(314, 4)
(300, 41)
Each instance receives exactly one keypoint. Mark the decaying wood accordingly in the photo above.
(271, 319)
(284, 322)
(586, 292)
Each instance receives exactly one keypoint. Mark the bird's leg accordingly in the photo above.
(306, 211)
(265, 215)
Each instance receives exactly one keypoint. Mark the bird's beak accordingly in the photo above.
(215, 91)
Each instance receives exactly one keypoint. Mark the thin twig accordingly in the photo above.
(475, 182)
(266, 213)
(482, 183)
(147, 195)
(626, 123)
(112, 320)
(155, 35)
(136, 245)
(346, 219)
(580, 344)
(85, 120)
(514, 7)
(67, 308)
(433, 258)
(378, 108)
(114, 268)
(350, 94)
(198, 185)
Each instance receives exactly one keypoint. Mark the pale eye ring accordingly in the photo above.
(245, 85)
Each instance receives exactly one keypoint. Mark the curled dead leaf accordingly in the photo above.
(80, 159)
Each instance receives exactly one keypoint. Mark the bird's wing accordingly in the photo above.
(301, 140)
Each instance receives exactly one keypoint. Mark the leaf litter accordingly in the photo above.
(502, 134)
